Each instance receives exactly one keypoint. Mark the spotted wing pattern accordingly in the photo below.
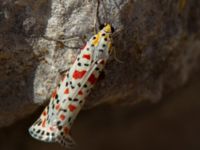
(67, 99)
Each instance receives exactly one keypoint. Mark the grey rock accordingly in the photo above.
(158, 42)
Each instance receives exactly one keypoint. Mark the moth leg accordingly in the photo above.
(96, 18)
(63, 71)
(115, 55)
(63, 41)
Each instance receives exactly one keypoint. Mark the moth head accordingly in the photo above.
(106, 27)
(103, 42)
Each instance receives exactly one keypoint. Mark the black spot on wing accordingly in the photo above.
(76, 99)
(53, 105)
(62, 133)
(64, 110)
(58, 123)
(79, 84)
(42, 133)
(39, 122)
(59, 127)
(101, 50)
(69, 119)
(38, 131)
(71, 85)
(79, 64)
(97, 68)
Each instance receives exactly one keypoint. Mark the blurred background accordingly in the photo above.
(159, 42)
(173, 124)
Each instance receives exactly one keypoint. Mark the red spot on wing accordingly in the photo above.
(54, 94)
(80, 92)
(57, 106)
(62, 117)
(86, 56)
(44, 113)
(71, 107)
(44, 123)
(78, 74)
(66, 130)
(92, 79)
(66, 91)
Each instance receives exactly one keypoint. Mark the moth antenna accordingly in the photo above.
(96, 20)
(71, 39)
(97, 15)
(104, 7)
(65, 40)
(117, 6)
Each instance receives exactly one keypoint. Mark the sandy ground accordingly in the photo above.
(172, 124)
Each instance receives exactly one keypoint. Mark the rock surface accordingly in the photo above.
(158, 42)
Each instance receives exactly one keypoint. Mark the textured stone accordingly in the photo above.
(158, 42)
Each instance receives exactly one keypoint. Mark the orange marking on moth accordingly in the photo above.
(62, 117)
(78, 74)
(66, 91)
(57, 106)
(96, 40)
(44, 113)
(66, 130)
(92, 79)
(80, 92)
(44, 123)
(71, 107)
(54, 94)
(86, 56)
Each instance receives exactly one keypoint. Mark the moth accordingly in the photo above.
(68, 98)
